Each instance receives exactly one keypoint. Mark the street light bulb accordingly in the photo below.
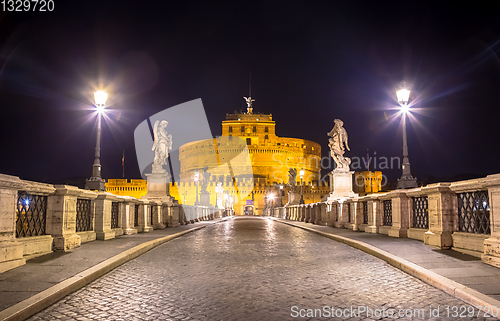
(281, 186)
(403, 96)
(302, 173)
(100, 98)
(100, 109)
(405, 108)
(196, 176)
(271, 196)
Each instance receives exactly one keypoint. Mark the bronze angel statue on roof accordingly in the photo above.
(338, 137)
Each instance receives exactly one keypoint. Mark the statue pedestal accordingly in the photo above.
(205, 199)
(158, 187)
(293, 198)
(340, 185)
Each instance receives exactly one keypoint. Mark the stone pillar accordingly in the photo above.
(127, 211)
(175, 215)
(342, 214)
(103, 217)
(442, 202)
(357, 215)
(323, 214)
(492, 244)
(11, 251)
(312, 214)
(61, 217)
(157, 217)
(332, 213)
(374, 215)
(307, 213)
(143, 217)
(401, 210)
(302, 213)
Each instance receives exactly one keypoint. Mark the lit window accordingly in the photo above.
(230, 129)
(242, 129)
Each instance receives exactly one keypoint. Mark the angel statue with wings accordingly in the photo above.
(292, 177)
(249, 101)
(338, 137)
(161, 146)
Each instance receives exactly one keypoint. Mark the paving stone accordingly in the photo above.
(250, 269)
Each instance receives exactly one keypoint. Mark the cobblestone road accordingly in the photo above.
(250, 269)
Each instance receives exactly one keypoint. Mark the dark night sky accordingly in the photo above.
(311, 62)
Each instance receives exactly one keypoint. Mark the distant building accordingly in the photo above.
(135, 188)
(271, 157)
(367, 182)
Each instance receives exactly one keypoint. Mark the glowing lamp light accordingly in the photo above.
(302, 173)
(281, 186)
(271, 196)
(100, 98)
(196, 176)
(403, 96)
(405, 108)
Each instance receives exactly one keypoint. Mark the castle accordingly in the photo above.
(249, 160)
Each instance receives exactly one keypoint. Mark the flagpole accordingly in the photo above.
(123, 164)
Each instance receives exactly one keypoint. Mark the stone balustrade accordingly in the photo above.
(463, 216)
(37, 218)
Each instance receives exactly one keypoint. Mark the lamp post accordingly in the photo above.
(406, 180)
(301, 191)
(95, 182)
(281, 195)
(196, 180)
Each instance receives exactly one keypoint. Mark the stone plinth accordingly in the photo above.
(158, 187)
(293, 198)
(205, 199)
(340, 185)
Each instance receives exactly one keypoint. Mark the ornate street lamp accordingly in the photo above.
(196, 180)
(301, 181)
(95, 182)
(406, 180)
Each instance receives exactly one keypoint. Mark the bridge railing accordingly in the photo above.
(464, 215)
(37, 218)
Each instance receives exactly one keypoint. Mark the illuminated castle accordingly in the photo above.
(247, 182)
(271, 157)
